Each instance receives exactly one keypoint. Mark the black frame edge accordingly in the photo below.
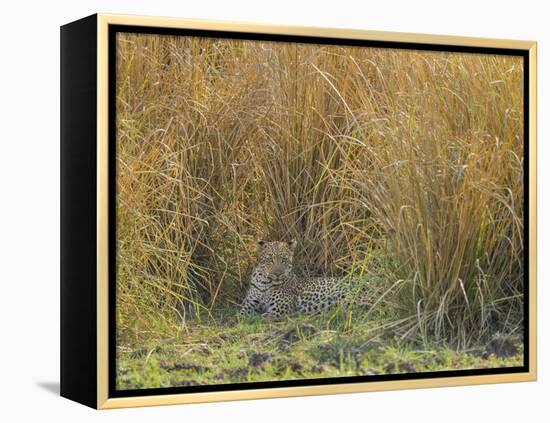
(116, 28)
(78, 133)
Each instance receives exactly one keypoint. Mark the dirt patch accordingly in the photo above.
(239, 373)
(183, 366)
(258, 359)
(401, 367)
(321, 368)
(283, 364)
(501, 347)
(367, 371)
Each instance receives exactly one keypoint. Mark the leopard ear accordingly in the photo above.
(292, 244)
(260, 243)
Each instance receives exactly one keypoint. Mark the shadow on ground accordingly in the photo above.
(51, 387)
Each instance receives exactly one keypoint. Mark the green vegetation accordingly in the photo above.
(300, 347)
(401, 168)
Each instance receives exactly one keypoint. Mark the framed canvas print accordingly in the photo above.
(254, 211)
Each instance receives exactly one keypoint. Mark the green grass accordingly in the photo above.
(221, 351)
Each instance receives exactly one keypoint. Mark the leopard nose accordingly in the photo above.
(278, 269)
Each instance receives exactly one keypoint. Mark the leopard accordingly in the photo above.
(275, 290)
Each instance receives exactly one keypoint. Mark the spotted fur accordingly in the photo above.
(275, 290)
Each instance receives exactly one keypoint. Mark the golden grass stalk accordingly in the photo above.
(402, 163)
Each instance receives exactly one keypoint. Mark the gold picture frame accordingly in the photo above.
(85, 43)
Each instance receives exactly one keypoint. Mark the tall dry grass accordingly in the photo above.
(404, 163)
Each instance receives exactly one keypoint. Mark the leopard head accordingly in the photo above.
(274, 262)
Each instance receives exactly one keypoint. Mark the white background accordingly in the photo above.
(29, 209)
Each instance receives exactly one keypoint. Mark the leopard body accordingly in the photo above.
(276, 290)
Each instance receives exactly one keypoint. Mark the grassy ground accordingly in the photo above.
(222, 351)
